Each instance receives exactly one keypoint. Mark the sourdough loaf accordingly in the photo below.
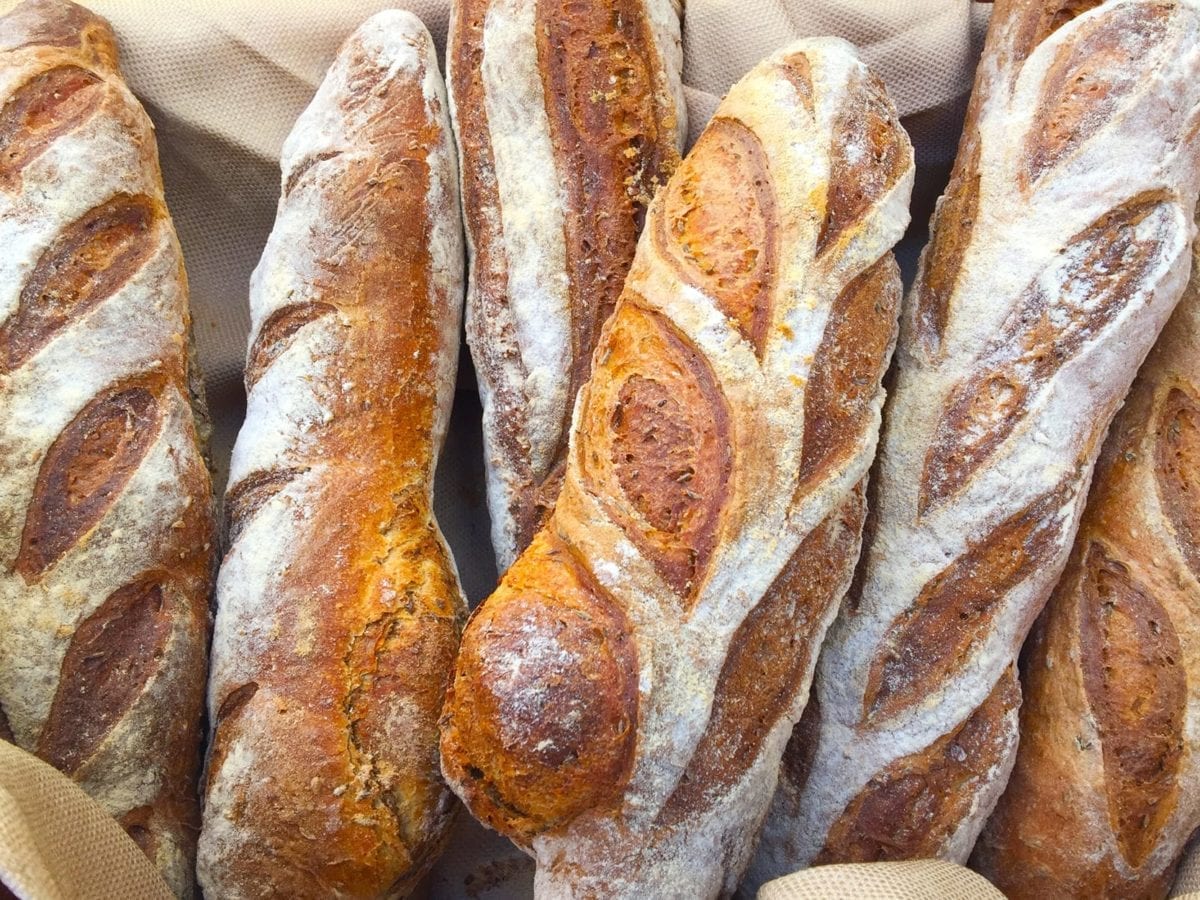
(621, 702)
(106, 523)
(339, 609)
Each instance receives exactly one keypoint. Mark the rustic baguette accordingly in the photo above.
(1105, 792)
(339, 608)
(621, 702)
(1058, 253)
(568, 117)
(106, 524)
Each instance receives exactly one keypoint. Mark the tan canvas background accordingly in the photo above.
(223, 81)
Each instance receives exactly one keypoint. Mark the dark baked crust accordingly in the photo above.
(615, 143)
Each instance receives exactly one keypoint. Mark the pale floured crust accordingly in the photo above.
(568, 117)
(1058, 254)
(106, 523)
(1105, 793)
(339, 607)
(622, 701)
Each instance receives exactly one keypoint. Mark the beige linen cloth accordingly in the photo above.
(223, 81)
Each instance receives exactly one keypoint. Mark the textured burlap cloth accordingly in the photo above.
(56, 843)
(224, 80)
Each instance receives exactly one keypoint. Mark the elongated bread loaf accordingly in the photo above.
(569, 116)
(1105, 793)
(1058, 253)
(107, 539)
(339, 609)
(621, 702)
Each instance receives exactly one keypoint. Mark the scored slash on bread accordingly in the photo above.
(1059, 251)
(1103, 797)
(339, 608)
(621, 702)
(569, 117)
(107, 539)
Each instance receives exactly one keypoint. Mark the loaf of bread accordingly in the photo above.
(1105, 792)
(107, 538)
(621, 702)
(1057, 255)
(339, 609)
(569, 116)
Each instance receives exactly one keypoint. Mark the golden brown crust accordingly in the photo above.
(89, 261)
(85, 469)
(951, 234)
(737, 265)
(867, 157)
(1058, 253)
(1037, 21)
(1137, 691)
(60, 24)
(1077, 96)
(622, 700)
(48, 105)
(954, 611)
(841, 387)
(954, 221)
(480, 206)
(911, 809)
(1176, 464)
(113, 654)
(531, 762)
(1043, 334)
(331, 761)
(273, 336)
(662, 463)
(600, 75)
(339, 609)
(768, 661)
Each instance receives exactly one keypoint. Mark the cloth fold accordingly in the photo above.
(56, 843)
(923, 879)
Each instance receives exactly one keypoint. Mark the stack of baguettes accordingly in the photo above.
(1058, 253)
(681, 363)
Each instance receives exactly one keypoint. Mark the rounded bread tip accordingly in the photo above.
(59, 23)
(544, 689)
(392, 31)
